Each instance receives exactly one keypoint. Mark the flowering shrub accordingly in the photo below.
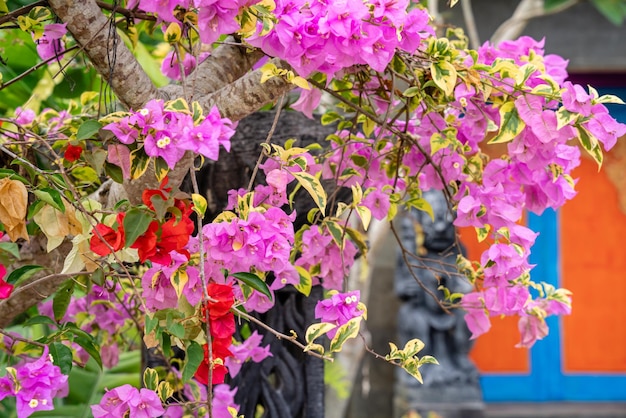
(412, 112)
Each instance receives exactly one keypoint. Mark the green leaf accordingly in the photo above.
(20, 274)
(193, 358)
(330, 117)
(90, 347)
(7, 172)
(254, 282)
(62, 299)
(444, 75)
(412, 91)
(39, 320)
(344, 333)
(11, 248)
(178, 105)
(136, 223)
(114, 172)
(51, 197)
(413, 347)
(86, 175)
(151, 323)
(198, 113)
(150, 378)
(613, 10)
(88, 129)
(61, 356)
(174, 328)
(511, 125)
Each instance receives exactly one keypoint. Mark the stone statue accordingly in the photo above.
(451, 388)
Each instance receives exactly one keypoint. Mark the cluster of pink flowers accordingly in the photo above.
(536, 175)
(339, 309)
(223, 399)
(128, 399)
(330, 36)
(262, 242)
(98, 313)
(34, 384)
(331, 262)
(169, 134)
(249, 349)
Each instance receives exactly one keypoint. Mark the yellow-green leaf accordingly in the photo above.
(179, 279)
(306, 282)
(511, 125)
(199, 204)
(344, 333)
(315, 331)
(312, 185)
(301, 82)
(444, 75)
(173, 33)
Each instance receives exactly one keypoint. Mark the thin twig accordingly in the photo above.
(36, 67)
(125, 12)
(280, 335)
(205, 295)
(267, 141)
(21, 11)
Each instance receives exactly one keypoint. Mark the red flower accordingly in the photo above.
(222, 300)
(219, 350)
(223, 327)
(175, 235)
(146, 244)
(114, 238)
(5, 288)
(72, 153)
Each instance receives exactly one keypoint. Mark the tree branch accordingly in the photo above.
(226, 64)
(106, 50)
(525, 11)
(247, 95)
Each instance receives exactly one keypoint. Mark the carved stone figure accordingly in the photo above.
(450, 388)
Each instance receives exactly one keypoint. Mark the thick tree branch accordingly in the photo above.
(525, 11)
(106, 50)
(226, 64)
(247, 95)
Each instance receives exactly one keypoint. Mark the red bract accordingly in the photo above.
(114, 238)
(219, 352)
(72, 153)
(146, 243)
(222, 297)
(175, 235)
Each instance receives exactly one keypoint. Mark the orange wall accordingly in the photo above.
(593, 260)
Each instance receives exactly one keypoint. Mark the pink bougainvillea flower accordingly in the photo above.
(5, 288)
(339, 309)
(37, 384)
(127, 399)
(49, 44)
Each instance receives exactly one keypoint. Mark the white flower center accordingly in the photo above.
(163, 142)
